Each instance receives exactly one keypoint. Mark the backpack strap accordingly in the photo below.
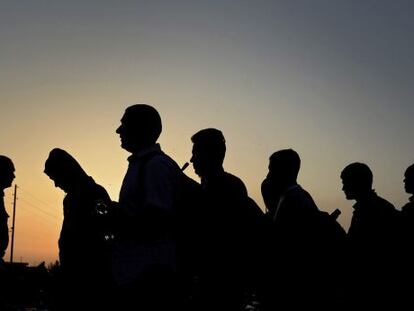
(282, 199)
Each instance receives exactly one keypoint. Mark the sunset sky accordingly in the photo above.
(333, 80)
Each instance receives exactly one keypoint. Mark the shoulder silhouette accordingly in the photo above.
(372, 238)
(145, 248)
(229, 225)
(303, 242)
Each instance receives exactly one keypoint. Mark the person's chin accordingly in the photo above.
(126, 146)
(348, 196)
(197, 171)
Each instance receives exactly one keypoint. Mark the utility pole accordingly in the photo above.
(13, 222)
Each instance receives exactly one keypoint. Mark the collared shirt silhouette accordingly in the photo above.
(292, 207)
(6, 179)
(150, 183)
(370, 225)
(301, 205)
(144, 257)
(371, 240)
(294, 257)
(373, 217)
(223, 234)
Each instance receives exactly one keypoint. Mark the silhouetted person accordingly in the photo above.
(407, 241)
(85, 275)
(6, 179)
(145, 259)
(225, 228)
(371, 238)
(296, 278)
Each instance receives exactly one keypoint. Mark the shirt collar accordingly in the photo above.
(208, 179)
(366, 198)
(156, 148)
(290, 189)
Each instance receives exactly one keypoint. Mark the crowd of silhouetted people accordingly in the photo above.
(172, 243)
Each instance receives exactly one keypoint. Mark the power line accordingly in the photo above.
(36, 198)
(38, 234)
(41, 235)
(54, 217)
(33, 213)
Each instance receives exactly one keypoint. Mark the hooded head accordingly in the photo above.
(64, 170)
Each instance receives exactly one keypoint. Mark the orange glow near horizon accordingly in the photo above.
(332, 80)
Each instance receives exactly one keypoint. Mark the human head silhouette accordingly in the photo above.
(284, 166)
(64, 170)
(409, 179)
(6, 172)
(209, 150)
(356, 180)
(140, 127)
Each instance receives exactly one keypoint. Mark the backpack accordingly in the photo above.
(328, 229)
(330, 238)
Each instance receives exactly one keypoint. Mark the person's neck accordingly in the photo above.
(80, 184)
(361, 197)
(212, 173)
(141, 148)
(285, 187)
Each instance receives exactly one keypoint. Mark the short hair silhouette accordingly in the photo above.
(286, 162)
(409, 179)
(410, 170)
(359, 174)
(6, 172)
(212, 142)
(5, 162)
(144, 118)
